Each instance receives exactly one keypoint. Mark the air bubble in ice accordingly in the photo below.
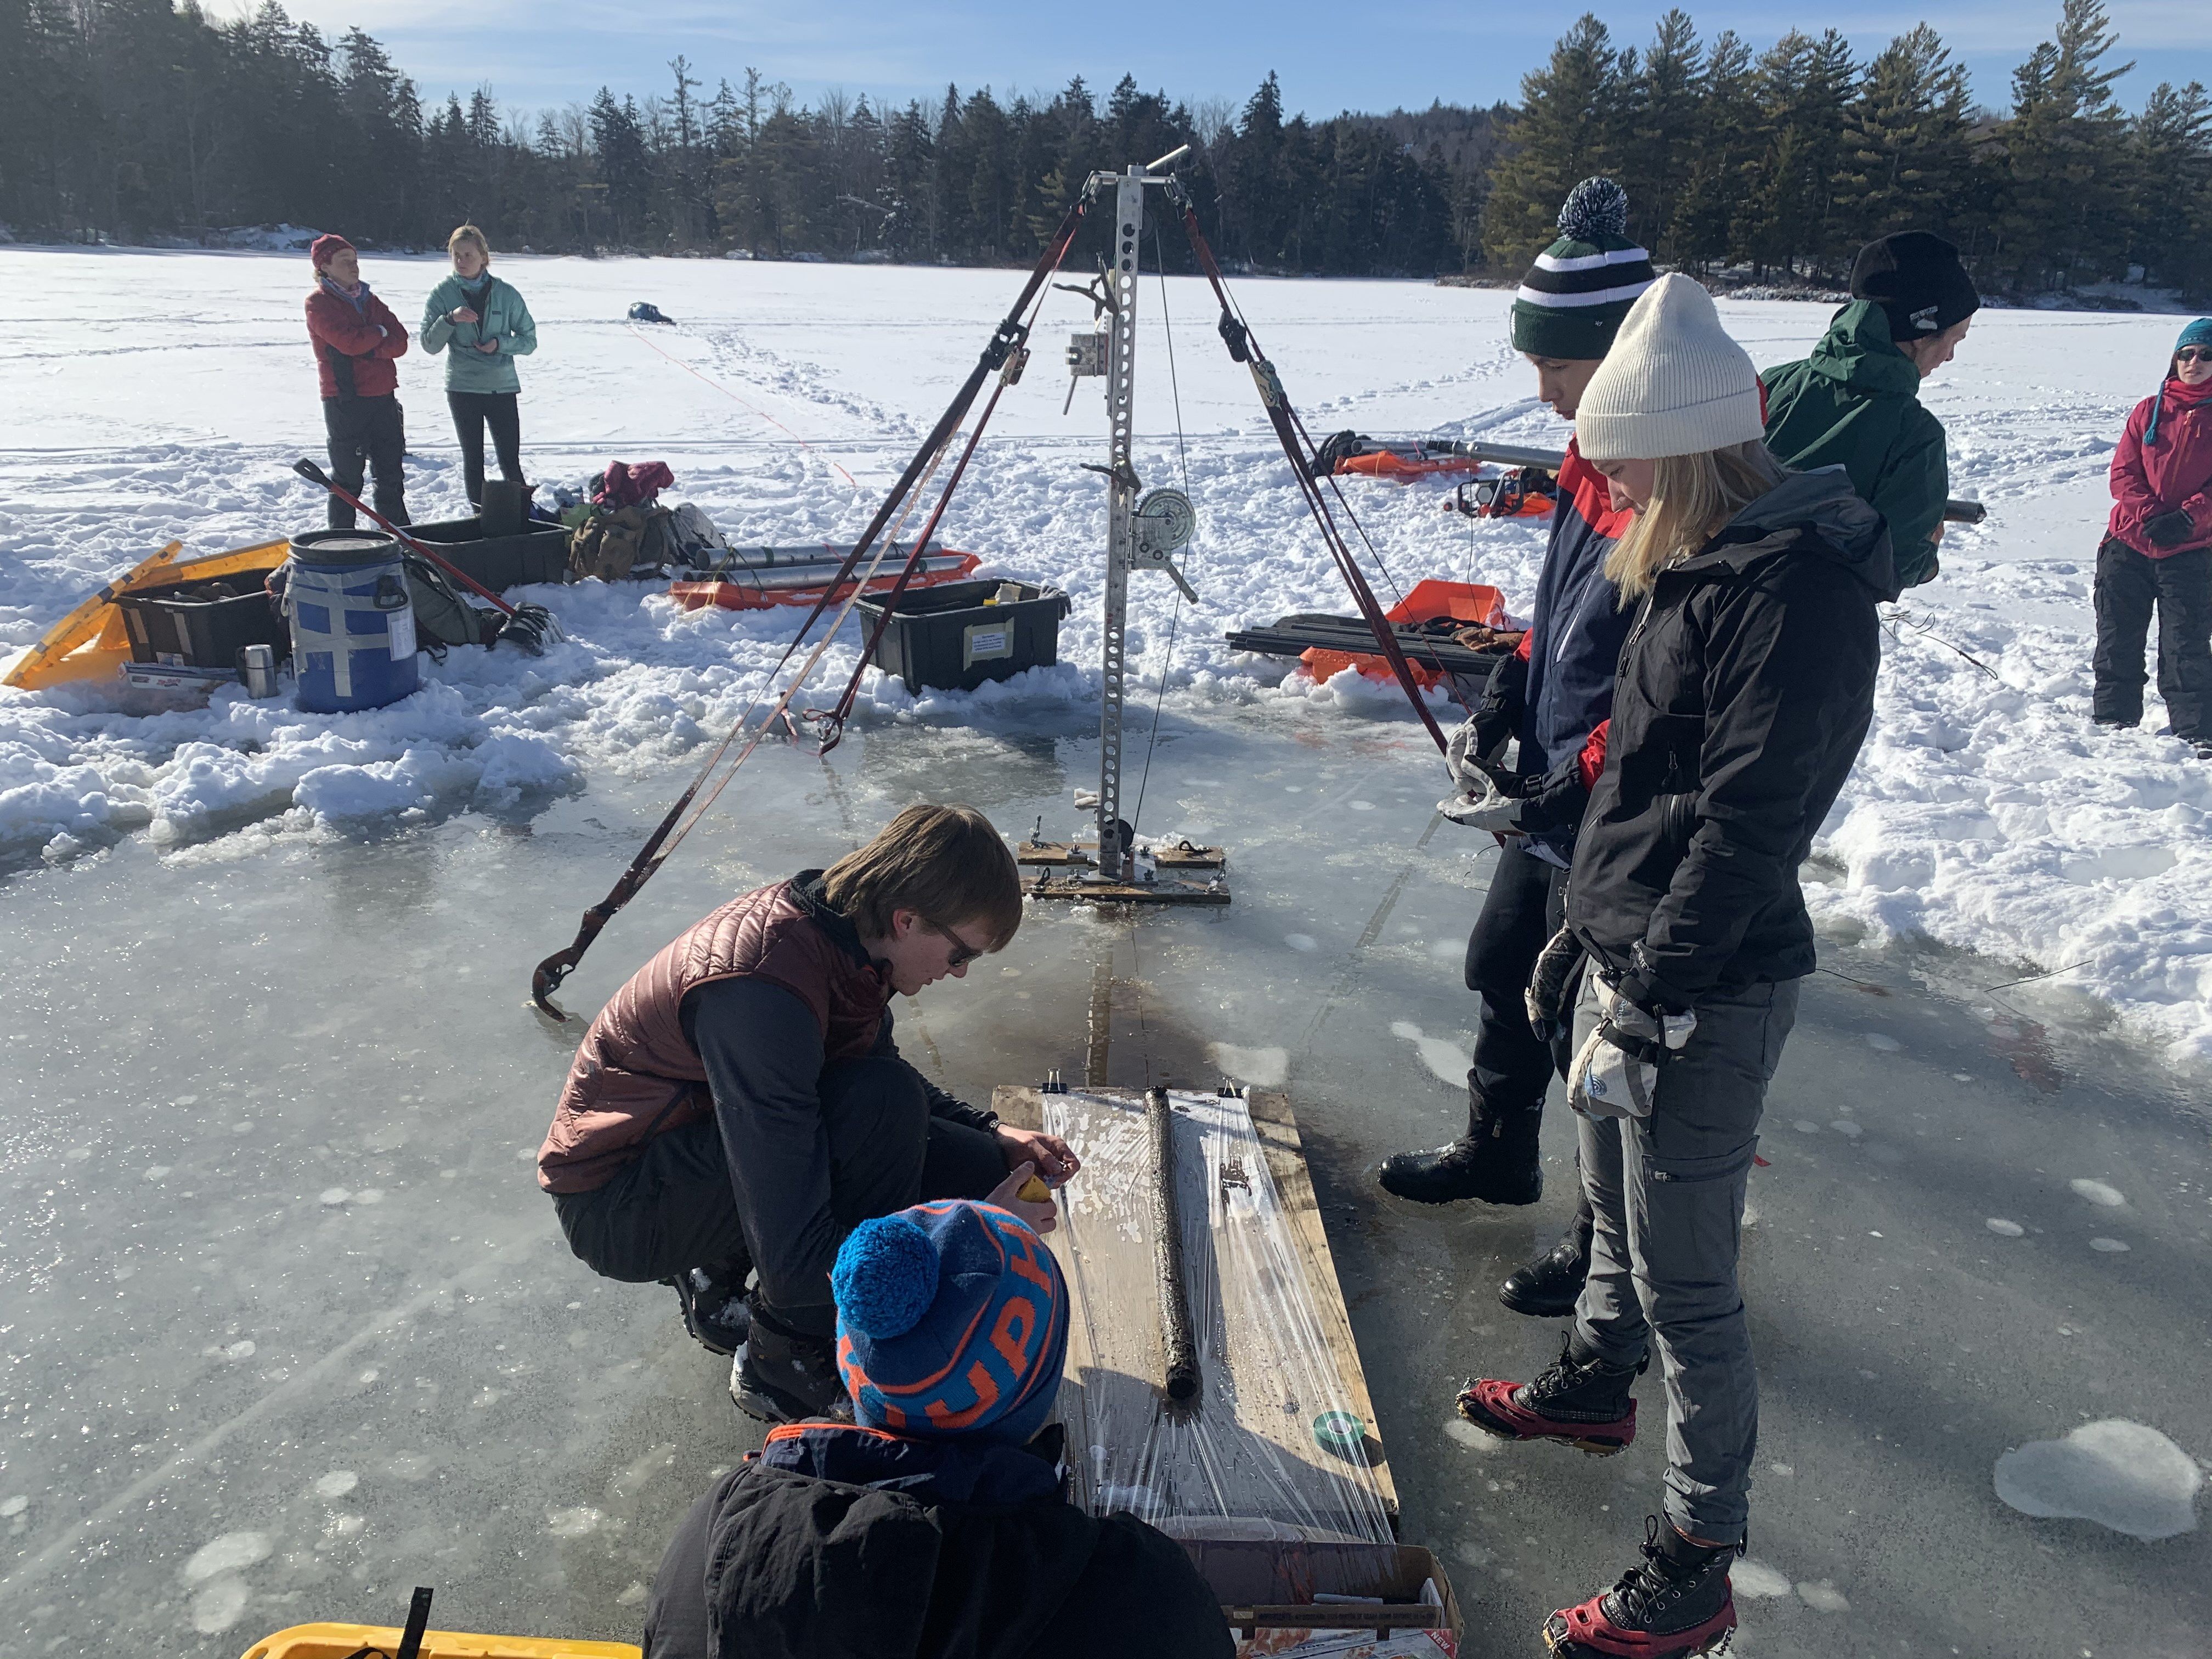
(1882, 1043)
(1264, 1069)
(13, 1506)
(2109, 1246)
(230, 1552)
(1302, 941)
(159, 1172)
(2120, 1474)
(2003, 1229)
(336, 1483)
(2098, 1192)
(1449, 1062)
(1822, 1598)
(573, 1524)
(332, 1195)
(218, 1606)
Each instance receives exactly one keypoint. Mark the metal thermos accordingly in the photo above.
(257, 666)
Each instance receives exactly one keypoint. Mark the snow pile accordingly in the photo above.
(1987, 813)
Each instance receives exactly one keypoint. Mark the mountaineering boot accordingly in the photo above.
(1496, 1161)
(715, 1311)
(1675, 1601)
(782, 1375)
(1549, 1286)
(1581, 1401)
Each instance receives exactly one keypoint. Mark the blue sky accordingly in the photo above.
(536, 54)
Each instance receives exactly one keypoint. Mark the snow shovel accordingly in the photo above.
(528, 625)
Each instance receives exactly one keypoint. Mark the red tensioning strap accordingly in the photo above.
(1281, 417)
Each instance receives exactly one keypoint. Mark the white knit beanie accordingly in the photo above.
(1674, 384)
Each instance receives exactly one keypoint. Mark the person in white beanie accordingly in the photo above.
(1747, 686)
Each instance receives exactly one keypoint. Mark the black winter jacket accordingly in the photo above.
(837, 1542)
(1744, 690)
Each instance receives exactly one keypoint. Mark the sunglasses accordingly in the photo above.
(2194, 354)
(961, 953)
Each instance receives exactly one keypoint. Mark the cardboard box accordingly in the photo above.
(1259, 1581)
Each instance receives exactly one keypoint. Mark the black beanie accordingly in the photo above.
(1915, 276)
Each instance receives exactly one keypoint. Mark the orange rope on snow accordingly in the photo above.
(690, 368)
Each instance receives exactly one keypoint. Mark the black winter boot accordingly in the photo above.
(1676, 1602)
(1549, 1286)
(715, 1310)
(1495, 1161)
(1581, 1401)
(783, 1376)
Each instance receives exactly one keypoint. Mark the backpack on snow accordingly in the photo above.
(442, 616)
(623, 542)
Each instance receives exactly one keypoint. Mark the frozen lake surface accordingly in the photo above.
(289, 1328)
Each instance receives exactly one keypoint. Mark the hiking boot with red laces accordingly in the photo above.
(1581, 1402)
(1676, 1602)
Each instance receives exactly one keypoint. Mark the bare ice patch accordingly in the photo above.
(2098, 1193)
(1445, 1059)
(2120, 1474)
(1264, 1069)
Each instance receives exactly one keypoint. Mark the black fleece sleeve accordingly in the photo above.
(763, 1052)
(1788, 687)
(941, 1104)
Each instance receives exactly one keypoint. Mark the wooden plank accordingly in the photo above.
(1022, 1107)
(1083, 854)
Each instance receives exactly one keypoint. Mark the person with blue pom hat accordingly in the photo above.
(2157, 552)
(935, 1525)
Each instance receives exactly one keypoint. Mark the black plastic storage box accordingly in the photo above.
(539, 554)
(202, 624)
(947, 637)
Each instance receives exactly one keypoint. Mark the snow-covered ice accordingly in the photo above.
(147, 395)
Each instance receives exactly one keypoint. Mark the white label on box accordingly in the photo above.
(403, 634)
(987, 640)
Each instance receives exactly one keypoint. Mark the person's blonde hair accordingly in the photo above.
(946, 862)
(468, 233)
(1692, 496)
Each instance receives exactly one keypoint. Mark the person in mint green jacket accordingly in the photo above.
(1854, 403)
(488, 327)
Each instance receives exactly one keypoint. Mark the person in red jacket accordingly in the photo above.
(2158, 551)
(357, 339)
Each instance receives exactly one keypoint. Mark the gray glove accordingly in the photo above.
(1616, 1071)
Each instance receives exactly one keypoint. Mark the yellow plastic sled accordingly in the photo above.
(341, 1641)
(90, 644)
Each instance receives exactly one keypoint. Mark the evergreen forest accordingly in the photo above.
(141, 121)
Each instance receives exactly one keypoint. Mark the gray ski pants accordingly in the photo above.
(1667, 1194)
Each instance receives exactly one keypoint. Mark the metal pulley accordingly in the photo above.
(1164, 521)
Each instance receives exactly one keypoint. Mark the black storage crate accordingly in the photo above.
(203, 624)
(540, 554)
(948, 638)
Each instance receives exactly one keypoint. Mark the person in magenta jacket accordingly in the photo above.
(356, 341)
(2158, 551)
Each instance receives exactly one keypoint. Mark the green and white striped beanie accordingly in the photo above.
(1574, 297)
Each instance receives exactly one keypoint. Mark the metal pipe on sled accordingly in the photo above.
(1551, 460)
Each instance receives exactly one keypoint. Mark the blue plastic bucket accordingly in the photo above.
(352, 624)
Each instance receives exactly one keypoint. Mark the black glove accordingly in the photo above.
(2171, 529)
(1498, 716)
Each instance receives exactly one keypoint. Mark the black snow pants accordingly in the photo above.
(2128, 584)
(1526, 905)
(366, 433)
(472, 412)
(673, 1208)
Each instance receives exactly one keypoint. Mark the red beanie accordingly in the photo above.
(320, 250)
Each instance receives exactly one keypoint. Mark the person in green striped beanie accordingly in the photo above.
(1572, 301)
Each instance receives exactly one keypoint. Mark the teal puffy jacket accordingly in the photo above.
(504, 318)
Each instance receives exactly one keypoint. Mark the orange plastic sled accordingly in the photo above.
(1472, 603)
(90, 644)
(342, 1641)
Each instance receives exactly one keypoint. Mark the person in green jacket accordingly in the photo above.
(1854, 403)
(487, 325)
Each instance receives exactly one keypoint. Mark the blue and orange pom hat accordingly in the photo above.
(951, 1321)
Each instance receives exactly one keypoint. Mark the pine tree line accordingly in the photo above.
(139, 118)
(1787, 160)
